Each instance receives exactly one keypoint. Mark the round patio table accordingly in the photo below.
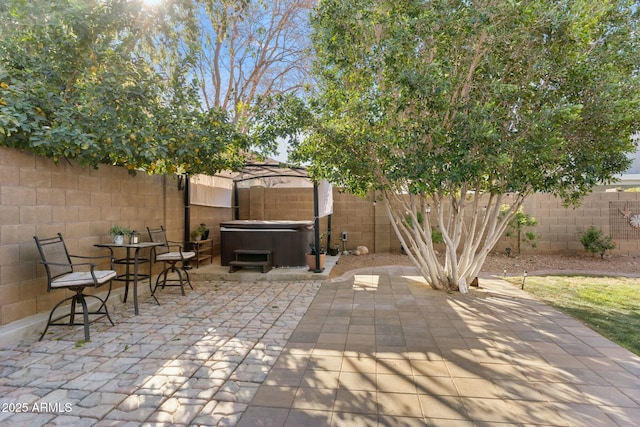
(127, 277)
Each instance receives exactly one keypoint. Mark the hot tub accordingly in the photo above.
(288, 241)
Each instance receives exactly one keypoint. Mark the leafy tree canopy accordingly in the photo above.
(107, 82)
(448, 99)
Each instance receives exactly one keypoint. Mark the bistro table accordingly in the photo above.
(136, 261)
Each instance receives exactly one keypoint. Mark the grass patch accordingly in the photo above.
(608, 305)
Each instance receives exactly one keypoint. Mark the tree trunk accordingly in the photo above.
(467, 239)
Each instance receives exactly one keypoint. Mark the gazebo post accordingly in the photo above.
(316, 227)
(187, 209)
(329, 232)
(236, 204)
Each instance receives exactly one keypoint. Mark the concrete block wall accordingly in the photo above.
(212, 217)
(38, 197)
(283, 203)
(367, 223)
(257, 203)
(559, 227)
(294, 204)
(357, 216)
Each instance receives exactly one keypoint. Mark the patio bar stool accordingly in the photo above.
(173, 257)
(62, 273)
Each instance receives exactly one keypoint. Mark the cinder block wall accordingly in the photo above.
(282, 203)
(357, 216)
(212, 217)
(367, 223)
(38, 197)
(559, 227)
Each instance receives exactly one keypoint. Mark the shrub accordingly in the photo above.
(516, 228)
(595, 242)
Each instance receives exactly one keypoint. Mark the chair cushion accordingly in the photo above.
(175, 256)
(80, 278)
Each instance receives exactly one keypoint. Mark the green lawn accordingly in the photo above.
(608, 305)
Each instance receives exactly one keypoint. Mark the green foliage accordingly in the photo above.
(453, 101)
(312, 250)
(409, 219)
(593, 240)
(436, 235)
(516, 228)
(199, 231)
(437, 96)
(107, 82)
(321, 245)
(275, 117)
(118, 230)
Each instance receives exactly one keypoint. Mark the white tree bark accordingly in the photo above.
(470, 224)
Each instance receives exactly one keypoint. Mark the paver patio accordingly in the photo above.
(378, 348)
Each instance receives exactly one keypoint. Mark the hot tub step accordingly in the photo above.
(251, 258)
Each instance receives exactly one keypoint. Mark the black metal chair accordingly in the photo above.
(170, 253)
(62, 273)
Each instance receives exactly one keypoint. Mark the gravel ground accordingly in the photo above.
(497, 263)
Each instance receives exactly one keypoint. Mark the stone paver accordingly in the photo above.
(197, 359)
(377, 348)
(383, 349)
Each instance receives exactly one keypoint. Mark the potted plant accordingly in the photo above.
(118, 233)
(334, 251)
(200, 233)
(311, 256)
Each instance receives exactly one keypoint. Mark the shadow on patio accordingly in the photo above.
(377, 348)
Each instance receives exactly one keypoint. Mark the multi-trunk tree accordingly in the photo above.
(448, 110)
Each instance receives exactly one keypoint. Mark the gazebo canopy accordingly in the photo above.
(270, 167)
(272, 173)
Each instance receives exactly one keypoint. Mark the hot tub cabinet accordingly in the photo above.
(288, 241)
